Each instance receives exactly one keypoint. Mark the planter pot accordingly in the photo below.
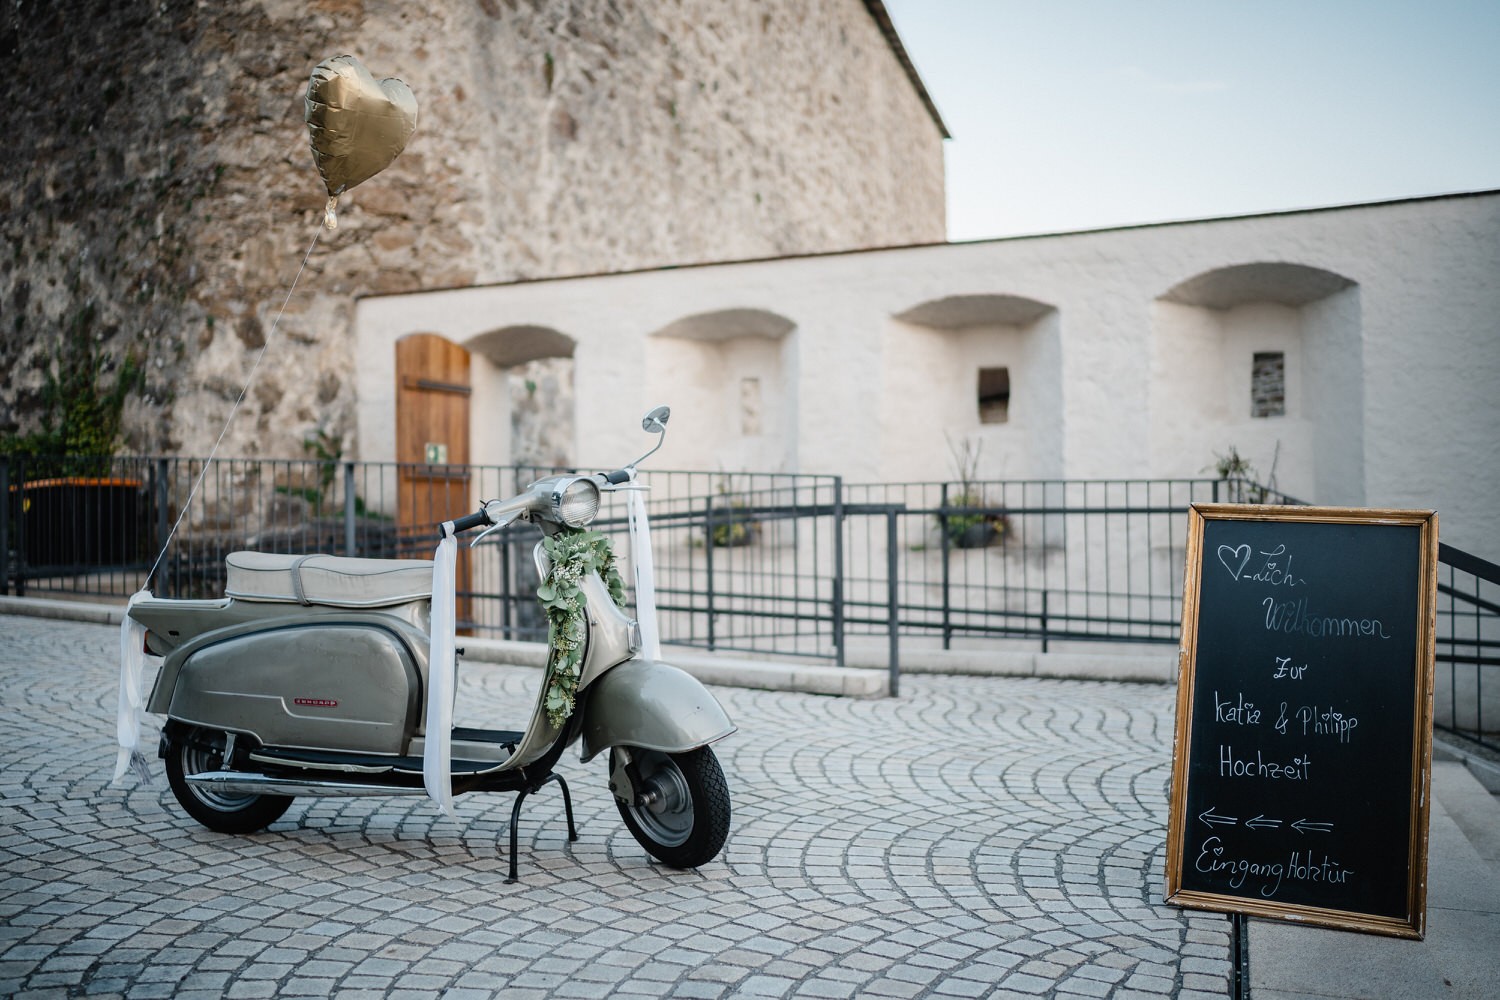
(976, 536)
(78, 521)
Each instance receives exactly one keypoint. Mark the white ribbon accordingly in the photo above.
(131, 709)
(437, 753)
(645, 579)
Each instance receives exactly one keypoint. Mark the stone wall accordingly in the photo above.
(157, 195)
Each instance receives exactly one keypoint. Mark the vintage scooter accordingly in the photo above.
(312, 677)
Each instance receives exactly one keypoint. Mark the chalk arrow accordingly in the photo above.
(1260, 822)
(1303, 826)
(1211, 818)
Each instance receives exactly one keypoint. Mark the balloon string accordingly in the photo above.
(249, 380)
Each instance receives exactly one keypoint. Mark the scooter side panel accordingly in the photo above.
(175, 626)
(653, 705)
(317, 685)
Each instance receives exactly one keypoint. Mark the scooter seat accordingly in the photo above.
(339, 581)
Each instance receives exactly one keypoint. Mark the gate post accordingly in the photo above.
(160, 498)
(837, 597)
(349, 540)
(1044, 619)
(947, 573)
(893, 601)
(20, 540)
(708, 568)
(5, 525)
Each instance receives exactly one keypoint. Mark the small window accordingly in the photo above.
(1268, 384)
(994, 395)
(750, 407)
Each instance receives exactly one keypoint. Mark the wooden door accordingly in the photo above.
(432, 447)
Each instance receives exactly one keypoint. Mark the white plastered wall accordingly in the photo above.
(1392, 403)
(930, 387)
(1201, 391)
(1029, 444)
(489, 412)
(1332, 397)
(732, 396)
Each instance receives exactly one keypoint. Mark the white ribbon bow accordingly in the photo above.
(645, 579)
(132, 702)
(437, 753)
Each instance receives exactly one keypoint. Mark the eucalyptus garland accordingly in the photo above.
(574, 554)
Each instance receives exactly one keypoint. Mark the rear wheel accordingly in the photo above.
(681, 810)
(191, 750)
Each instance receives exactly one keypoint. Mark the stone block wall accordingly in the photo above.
(157, 195)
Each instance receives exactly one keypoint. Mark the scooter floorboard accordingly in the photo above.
(358, 763)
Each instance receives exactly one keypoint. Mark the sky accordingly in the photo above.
(1089, 114)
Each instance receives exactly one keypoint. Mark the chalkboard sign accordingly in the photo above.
(1304, 716)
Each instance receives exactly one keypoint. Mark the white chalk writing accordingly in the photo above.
(1324, 721)
(1239, 712)
(1284, 669)
(1293, 618)
(1231, 766)
(1268, 876)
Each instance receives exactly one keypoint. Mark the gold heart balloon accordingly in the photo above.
(357, 124)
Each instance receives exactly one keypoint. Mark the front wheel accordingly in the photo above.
(681, 810)
(192, 751)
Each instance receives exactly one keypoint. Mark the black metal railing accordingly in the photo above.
(763, 563)
(1468, 647)
(1045, 561)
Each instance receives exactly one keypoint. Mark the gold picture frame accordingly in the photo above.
(1223, 581)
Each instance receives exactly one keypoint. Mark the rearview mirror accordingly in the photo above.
(656, 421)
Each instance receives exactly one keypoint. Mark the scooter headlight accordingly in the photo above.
(577, 503)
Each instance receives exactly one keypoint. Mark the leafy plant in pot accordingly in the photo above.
(1240, 477)
(82, 404)
(67, 501)
(731, 525)
(983, 524)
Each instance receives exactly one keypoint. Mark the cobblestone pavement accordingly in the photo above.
(975, 838)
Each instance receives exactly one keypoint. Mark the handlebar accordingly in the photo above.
(529, 502)
(469, 521)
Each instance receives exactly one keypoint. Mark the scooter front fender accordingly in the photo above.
(652, 705)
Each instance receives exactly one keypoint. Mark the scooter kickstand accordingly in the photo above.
(567, 805)
(515, 818)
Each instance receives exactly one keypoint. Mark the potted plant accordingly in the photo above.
(984, 526)
(968, 520)
(83, 399)
(70, 506)
(730, 524)
(1239, 476)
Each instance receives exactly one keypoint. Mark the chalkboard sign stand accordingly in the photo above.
(1303, 753)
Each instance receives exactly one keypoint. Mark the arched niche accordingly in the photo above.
(960, 312)
(730, 375)
(728, 324)
(1265, 358)
(524, 398)
(1290, 285)
(513, 346)
(986, 367)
